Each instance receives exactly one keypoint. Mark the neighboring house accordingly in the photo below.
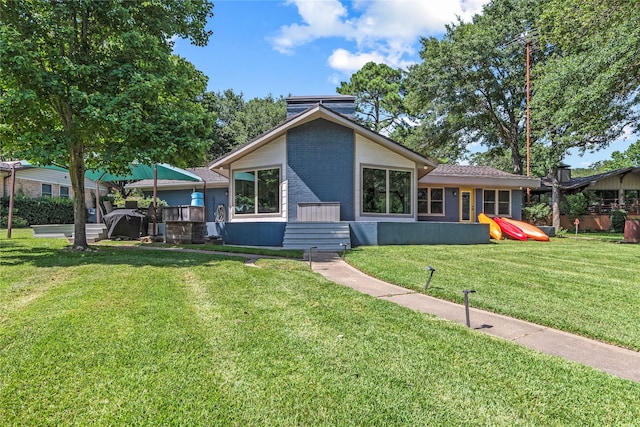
(35, 181)
(613, 190)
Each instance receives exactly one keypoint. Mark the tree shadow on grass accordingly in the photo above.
(41, 256)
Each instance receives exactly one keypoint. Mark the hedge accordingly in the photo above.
(42, 210)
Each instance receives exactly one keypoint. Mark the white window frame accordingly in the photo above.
(387, 169)
(429, 200)
(496, 207)
(255, 193)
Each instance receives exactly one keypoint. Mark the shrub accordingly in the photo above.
(575, 205)
(143, 202)
(618, 218)
(16, 221)
(41, 210)
(537, 214)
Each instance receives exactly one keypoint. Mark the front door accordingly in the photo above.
(467, 213)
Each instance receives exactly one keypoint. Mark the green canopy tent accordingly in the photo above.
(138, 172)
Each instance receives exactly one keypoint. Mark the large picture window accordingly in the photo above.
(386, 191)
(257, 191)
(431, 201)
(497, 202)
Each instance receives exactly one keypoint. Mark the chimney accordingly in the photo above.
(342, 104)
(564, 173)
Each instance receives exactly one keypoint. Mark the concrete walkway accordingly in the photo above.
(605, 357)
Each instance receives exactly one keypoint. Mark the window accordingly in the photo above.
(257, 191)
(431, 201)
(64, 192)
(47, 190)
(386, 191)
(497, 202)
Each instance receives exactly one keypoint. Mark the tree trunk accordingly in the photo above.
(76, 174)
(555, 199)
(516, 158)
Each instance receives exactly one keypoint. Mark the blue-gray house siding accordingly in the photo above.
(320, 166)
(451, 206)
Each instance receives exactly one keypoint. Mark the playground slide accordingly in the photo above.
(494, 229)
(530, 230)
(510, 230)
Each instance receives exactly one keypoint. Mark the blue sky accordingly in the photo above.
(307, 47)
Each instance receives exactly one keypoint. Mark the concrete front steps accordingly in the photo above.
(94, 232)
(324, 236)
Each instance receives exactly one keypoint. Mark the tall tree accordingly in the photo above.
(586, 89)
(470, 87)
(379, 92)
(620, 159)
(94, 83)
(238, 121)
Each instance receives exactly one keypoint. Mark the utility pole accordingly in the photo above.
(528, 52)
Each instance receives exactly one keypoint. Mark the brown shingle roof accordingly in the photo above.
(462, 170)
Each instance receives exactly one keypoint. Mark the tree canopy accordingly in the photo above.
(89, 84)
(587, 86)
(620, 159)
(470, 87)
(238, 121)
(379, 92)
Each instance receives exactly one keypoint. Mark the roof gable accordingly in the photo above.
(319, 111)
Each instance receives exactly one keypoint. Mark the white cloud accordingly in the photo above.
(324, 18)
(348, 63)
(384, 31)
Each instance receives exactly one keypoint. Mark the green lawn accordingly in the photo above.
(586, 286)
(139, 337)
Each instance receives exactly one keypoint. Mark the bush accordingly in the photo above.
(16, 222)
(42, 210)
(575, 205)
(618, 219)
(537, 214)
(138, 196)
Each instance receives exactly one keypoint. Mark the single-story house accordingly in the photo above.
(36, 181)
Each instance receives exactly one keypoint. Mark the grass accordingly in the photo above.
(135, 337)
(284, 253)
(584, 286)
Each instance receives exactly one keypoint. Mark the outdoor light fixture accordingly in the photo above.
(310, 251)
(344, 249)
(466, 293)
(431, 270)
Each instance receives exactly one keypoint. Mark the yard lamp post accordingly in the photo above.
(466, 293)
(344, 249)
(311, 248)
(431, 270)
